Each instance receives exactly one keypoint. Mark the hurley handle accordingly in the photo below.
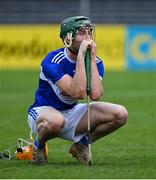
(87, 67)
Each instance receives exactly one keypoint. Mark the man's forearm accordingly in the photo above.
(96, 85)
(78, 84)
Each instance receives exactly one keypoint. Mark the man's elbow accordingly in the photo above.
(79, 94)
(95, 96)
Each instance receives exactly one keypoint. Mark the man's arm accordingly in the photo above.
(76, 86)
(96, 83)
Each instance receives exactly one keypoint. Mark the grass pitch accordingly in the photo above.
(129, 152)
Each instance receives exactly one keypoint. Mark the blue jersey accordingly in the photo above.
(54, 66)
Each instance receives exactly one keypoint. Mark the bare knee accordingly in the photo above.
(121, 115)
(50, 125)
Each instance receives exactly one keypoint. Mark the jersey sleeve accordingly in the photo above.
(52, 70)
(100, 67)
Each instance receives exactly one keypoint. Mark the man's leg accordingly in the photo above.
(49, 123)
(105, 118)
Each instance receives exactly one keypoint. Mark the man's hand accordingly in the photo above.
(89, 43)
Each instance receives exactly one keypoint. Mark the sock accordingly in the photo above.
(84, 141)
(38, 145)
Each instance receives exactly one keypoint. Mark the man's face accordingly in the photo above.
(82, 34)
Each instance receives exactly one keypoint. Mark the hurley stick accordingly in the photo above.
(88, 75)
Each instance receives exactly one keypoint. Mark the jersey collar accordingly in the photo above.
(68, 58)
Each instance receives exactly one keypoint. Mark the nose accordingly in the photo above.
(87, 36)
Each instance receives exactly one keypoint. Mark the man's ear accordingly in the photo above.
(67, 39)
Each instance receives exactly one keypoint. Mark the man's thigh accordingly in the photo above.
(49, 113)
(38, 114)
(100, 112)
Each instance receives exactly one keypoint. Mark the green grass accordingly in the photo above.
(129, 152)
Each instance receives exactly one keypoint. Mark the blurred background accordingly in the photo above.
(125, 31)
